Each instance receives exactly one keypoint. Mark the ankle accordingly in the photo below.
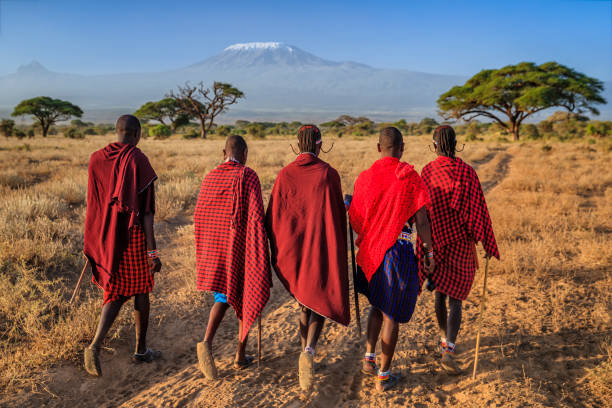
(383, 375)
(370, 357)
(310, 350)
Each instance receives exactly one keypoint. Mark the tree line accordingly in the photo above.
(505, 97)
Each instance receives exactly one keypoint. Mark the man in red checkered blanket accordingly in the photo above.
(231, 250)
(459, 219)
(118, 233)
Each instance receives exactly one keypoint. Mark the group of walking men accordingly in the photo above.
(306, 229)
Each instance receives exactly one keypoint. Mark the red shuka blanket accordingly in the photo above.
(117, 175)
(231, 243)
(306, 223)
(386, 196)
(458, 208)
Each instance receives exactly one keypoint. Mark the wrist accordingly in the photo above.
(153, 254)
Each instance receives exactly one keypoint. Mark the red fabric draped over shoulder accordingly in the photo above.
(306, 223)
(231, 243)
(117, 175)
(459, 210)
(386, 196)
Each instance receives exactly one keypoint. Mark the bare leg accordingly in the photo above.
(107, 318)
(454, 319)
(304, 318)
(315, 326)
(240, 352)
(388, 341)
(375, 320)
(441, 313)
(141, 321)
(217, 312)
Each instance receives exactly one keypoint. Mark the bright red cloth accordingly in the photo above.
(386, 196)
(231, 242)
(306, 223)
(118, 174)
(459, 219)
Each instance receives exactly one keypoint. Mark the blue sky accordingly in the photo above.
(448, 37)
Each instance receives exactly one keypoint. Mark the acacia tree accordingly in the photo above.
(167, 109)
(204, 103)
(47, 111)
(519, 91)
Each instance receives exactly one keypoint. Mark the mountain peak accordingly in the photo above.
(258, 46)
(33, 67)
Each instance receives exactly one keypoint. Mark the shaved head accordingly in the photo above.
(236, 147)
(391, 142)
(128, 128)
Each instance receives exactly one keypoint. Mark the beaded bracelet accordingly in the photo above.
(153, 254)
(430, 254)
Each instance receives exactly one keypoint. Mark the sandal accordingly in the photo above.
(390, 382)
(306, 370)
(146, 357)
(368, 367)
(206, 362)
(91, 360)
(241, 365)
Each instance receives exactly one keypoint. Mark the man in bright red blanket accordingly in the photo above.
(459, 218)
(231, 250)
(306, 223)
(388, 198)
(119, 238)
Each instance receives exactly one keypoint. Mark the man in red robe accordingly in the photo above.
(231, 249)
(389, 197)
(460, 219)
(119, 238)
(306, 224)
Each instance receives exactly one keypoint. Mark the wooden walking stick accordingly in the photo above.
(259, 342)
(355, 280)
(78, 285)
(482, 308)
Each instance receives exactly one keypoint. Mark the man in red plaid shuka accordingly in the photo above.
(231, 250)
(459, 219)
(118, 233)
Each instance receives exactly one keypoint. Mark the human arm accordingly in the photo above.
(147, 224)
(424, 231)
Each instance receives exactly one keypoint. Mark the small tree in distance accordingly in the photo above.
(206, 104)
(47, 111)
(7, 127)
(518, 91)
(163, 111)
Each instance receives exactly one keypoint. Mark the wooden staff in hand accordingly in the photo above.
(482, 308)
(78, 285)
(347, 203)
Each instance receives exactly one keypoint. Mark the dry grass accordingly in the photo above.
(551, 209)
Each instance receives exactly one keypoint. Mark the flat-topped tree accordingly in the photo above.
(519, 91)
(163, 111)
(47, 111)
(204, 103)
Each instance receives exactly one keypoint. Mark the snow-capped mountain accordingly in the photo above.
(280, 81)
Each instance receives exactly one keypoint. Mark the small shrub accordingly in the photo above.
(30, 133)
(73, 133)
(191, 134)
(160, 132)
(20, 134)
(90, 131)
(547, 148)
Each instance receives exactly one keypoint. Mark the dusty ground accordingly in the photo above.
(547, 328)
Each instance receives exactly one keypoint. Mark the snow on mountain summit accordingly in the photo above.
(258, 46)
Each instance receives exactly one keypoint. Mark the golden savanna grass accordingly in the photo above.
(548, 328)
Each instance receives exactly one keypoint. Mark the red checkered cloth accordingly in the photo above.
(134, 274)
(231, 242)
(459, 218)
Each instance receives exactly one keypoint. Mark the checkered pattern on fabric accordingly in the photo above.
(134, 274)
(231, 241)
(459, 218)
